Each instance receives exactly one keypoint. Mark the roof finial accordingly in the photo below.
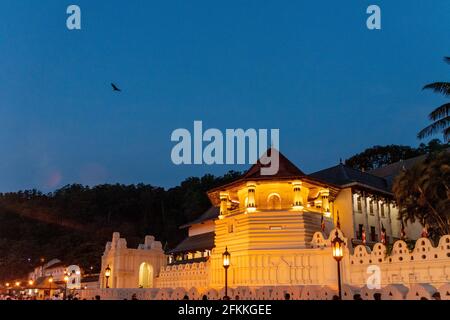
(340, 160)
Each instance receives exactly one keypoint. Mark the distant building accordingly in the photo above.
(54, 268)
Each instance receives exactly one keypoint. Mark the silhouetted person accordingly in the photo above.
(287, 296)
(357, 297)
(204, 298)
(97, 297)
(185, 297)
(436, 296)
(335, 297)
(377, 296)
(226, 298)
(423, 298)
(236, 298)
(134, 297)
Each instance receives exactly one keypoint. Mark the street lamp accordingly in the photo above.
(107, 275)
(338, 253)
(226, 264)
(50, 281)
(17, 284)
(30, 282)
(66, 279)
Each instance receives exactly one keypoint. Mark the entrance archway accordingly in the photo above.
(145, 275)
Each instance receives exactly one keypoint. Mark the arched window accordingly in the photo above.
(274, 201)
(145, 275)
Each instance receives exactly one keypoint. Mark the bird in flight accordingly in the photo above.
(115, 88)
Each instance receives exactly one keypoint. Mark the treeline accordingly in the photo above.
(380, 156)
(74, 222)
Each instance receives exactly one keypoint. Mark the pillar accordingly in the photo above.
(298, 201)
(251, 202)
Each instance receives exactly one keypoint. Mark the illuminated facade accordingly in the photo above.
(278, 230)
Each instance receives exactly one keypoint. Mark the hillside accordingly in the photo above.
(74, 223)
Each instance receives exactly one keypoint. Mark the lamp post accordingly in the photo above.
(50, 281)
(226, 264)
(338, 253)
(107, 275)
(66, 280)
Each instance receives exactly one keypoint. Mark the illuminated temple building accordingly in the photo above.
(285, 210)
(278, 230)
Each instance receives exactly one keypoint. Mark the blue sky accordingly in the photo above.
(310, 68)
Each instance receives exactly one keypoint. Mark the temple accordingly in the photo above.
(283, 211)
(278, 230)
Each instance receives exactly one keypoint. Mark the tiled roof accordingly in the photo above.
(204, 241)
(389, 172)
(286, 168)
(211, 214)
(343, 175)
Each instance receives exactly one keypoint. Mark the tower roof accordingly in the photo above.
(286, 169)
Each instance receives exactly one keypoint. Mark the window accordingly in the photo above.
(232, 226)
(274, 202)
(373, 235)
(382, 209)
(371, 206)
(359, 203)
(360, 231)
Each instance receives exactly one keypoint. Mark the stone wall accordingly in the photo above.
(184, 275)
(390, 292)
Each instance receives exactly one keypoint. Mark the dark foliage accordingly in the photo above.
(380, 156)
(74, 222)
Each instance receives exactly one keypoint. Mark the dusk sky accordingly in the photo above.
(310, 68)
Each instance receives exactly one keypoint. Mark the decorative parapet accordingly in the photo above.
(312, 292)
(184, 276)
(423, 251)
(320, 240)
(424, 264)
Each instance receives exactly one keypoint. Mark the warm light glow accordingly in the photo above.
(298, 208)
(327, 214)
(50, 279)
(337, 250)
(77, 272)
(31, 282)
(338, 247)
(108, 272)
(7, 284)
(66, 278)
(251, 209)
(226, 258)
(17, 283)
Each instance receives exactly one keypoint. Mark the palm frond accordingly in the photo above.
(447, 59)
(434, 128)
(439, 87)
(440, 112)
(447, 135)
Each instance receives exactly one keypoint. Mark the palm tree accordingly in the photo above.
(423, 193)
(440, 115)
